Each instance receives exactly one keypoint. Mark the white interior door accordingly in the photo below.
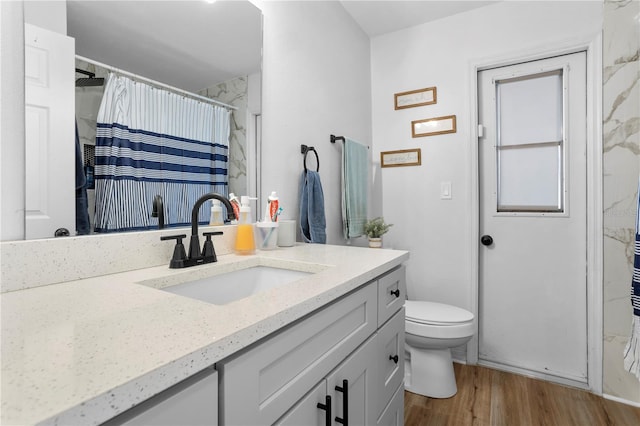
(49, 132)
(532, 283)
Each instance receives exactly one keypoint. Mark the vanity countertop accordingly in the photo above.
(84, 351)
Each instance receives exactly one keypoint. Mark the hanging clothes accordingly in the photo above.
(153, 142)
(355, 162)
(82, 205)
(632, 350)
(312, 219)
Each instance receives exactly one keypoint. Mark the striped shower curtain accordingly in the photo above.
(153, 142)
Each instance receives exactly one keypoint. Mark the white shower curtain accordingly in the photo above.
(153, 142)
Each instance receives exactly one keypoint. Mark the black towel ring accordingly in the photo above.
(305, 150)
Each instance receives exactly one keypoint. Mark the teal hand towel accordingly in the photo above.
(355, 163)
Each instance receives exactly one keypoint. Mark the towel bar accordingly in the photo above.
(335, 138)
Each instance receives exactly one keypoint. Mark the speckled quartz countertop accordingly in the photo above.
(84, 351)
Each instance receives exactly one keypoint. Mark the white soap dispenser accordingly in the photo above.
(216, 213)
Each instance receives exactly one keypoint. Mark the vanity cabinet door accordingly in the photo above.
(306, 411)
(261, 384)
(393, 414)
(358, 375)
(192, 402)
(390, 359)
(392, 292)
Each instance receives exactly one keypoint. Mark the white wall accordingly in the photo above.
(316, 82)
(51, 15)
(12, 150)
(441, 53)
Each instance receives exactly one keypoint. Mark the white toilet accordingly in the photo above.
(431, 330)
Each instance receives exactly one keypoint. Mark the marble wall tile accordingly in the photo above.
(235, 92)
(621, 167)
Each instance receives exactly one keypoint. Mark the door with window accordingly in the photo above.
(532, 165)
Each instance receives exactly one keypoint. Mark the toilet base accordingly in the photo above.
(429, 372)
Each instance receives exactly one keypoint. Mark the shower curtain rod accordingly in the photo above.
(158, 84)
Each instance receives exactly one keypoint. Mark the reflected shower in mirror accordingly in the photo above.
(210, 50)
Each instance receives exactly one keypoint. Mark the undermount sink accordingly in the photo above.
(231, 286)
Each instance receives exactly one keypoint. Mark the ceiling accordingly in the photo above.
(381, 17)
(171, 41)
(187, 44)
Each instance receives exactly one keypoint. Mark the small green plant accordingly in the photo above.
(376, 228)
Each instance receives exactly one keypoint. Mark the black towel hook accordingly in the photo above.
(304, 149)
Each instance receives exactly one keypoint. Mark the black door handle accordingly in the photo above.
(396, 293)
(345, 403)
(327, 408)
(61, 232)
(394, 358)
(486, 240)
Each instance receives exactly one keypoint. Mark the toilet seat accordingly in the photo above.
(433, 313)
(437, 320)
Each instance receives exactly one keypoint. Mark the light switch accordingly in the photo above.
(445, 190)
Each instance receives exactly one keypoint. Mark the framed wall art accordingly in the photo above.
(433, 126)
(416, 98)
(401, 158)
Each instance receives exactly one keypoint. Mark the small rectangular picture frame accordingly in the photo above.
(433, 126)
(416, 98)
(401, 158)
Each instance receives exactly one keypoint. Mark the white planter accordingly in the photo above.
(375, 242)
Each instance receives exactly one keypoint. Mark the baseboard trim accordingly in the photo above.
(621, 400)
(536, 374)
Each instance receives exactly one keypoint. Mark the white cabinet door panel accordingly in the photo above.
(262, 384)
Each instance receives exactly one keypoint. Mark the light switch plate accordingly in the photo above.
(445, 190)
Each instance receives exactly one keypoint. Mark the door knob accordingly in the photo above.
(486, 240)
(61, 232)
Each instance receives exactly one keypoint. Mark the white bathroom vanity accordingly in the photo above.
(118, 349)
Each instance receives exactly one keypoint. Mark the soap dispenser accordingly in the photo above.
(245, 241)
(216, 213)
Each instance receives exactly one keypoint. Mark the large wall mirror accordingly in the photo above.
(207, 48)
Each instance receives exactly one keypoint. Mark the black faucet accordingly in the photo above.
(194, 244)
(196, 257)
(158, 210)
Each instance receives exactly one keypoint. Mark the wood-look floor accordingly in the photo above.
(491, 397)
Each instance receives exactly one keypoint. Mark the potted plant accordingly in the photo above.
(375, 229)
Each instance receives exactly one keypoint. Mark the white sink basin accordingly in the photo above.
(231, 286)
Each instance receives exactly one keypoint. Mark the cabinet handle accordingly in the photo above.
(345, 403)
(396, 293)
(394, 358)
(327, 408)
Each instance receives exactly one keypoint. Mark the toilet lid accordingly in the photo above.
(435, 313)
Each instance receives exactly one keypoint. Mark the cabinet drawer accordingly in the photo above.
(260, 385)
(393, 414)
(390, 340)
(392, 292)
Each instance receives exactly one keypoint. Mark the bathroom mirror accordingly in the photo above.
(204, 47)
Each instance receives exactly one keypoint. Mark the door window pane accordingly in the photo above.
(530, 145)
(530, 109)
(529, 179)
